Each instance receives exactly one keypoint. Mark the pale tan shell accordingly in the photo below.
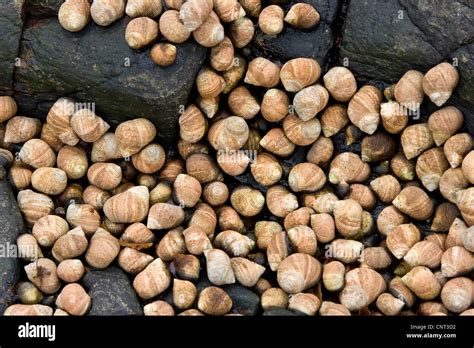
(437, 238)
(73, 161)
(302, 16)
(48, 229)
(456, 233)
(59, 117)
(184, 293)
(394, 117)
(262, 72)
(209, 84)
(439, 82)
(228, 10)
(95, 196)
(402, 238)
(307, 304)
(20, 129)
(187, 190)
(171, 245)
(187, 267)
(409, 90)
(50, 137)
(203, 168)
(247, 201)
(161, 193)
(219, 269)
(414, 202)
(28, 293)
(398, 289)
(347, 168)
(74, 15)
(172, 28)
(324, 227)
(28, 248)
(251, 7)
(71, 245)
(348, 218)
(105, 149)
(8, 108)
(264, 231)
(329, 308)
(158, 308)
(456, 148)
(468, 167)
(301, 133)
(456, 261)
(34, 205)
(415, 139)
(363, 195)
(242, 103)
(389, 304)
(309, 101)
(230, 133)
(452, 183)
(211, 32)
(229, 219)
(333, 275)
(341, 83)
(196, 240)
(333, 119)
(386, 187)
(222, 55)
(277, 249)
(303, 239)
(88, 126)
(71, 270)
(241, 32)
(37, 153)
(280, 201)
(299, 73)
(83, 215)
(233, 162)
(192, 124)
(321, 151)
(164, 216)
(103, 249)
(215, 193)
(457, 294)
(28, 310)
(145, 8)
(51, 181)
(187, 149)
(444, 216)
(403, 168)
(153, 280)
(363, 109)
(172, 168)
(376, 258)
(20, 176)
(106, 176)
(193, 13)
(246, 272)
(275, 105)
(150, 159)
(141, 32)
(422, 282)
(443, 123)
(163, 54)
(430, 166)
(214, 301)
(424, 253)
(105, 12)
(133, 261)
(74, 300)
(306, 176)
(431, 308)
(324, 202)
(345, 250)
(262, 286)
(274, 298)
(276, 142)
(271, 20)
(298, 272)
(42, 273)
(301, 216)
(233, 76)
(363, 286)
(234, 243)
(137, 233)
(134, 135)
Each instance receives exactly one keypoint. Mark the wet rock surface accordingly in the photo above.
(11, 24)
(11, 225)
(384, 39)
(97, 66)
(244, 301)
(111, 293)
(43, 8)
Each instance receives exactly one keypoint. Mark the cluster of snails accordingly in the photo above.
(178, 20)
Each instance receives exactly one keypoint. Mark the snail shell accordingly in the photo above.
(234, 243)
(377, 147)
(34, 205)
(216, 193)
(276, 142)
(141, 32)
(242, 103)
(299, 132)
(42, 273)
(144, 8)
(229, 219)
(376, 258)
(416, 139)
(71, 270)
(203, 168)
(158, 308)
(219, 269)
(348, 217)
(228, 10)
(83, 215)
(306, 177)
(402, 238)
(184, 293)
(424, 253)
(137, 233)
(266, 170)
(468, 167)
(73, 161)
(304, 303)
(262, 72)
(444, 123)
(187, 190)
(414, 202)
(134, 135)
(363, 109)
(28, 293)
(299, 73)
(172, 168)
(298, 272)
(171, 245)
(153, 280)
(165, 216)
(321, 151)
(456, 148)
(409, 90)
(88, 126)
(8, 108)
(251, 7)
(196, 240)
(209, 84)
(301, 216)
(230, 133)
(187, 267)
(105, 149)
(303, 239)
(163, 54)
(150, 159)
(302, 16)
(324, 227)
(172, 28)
(456, 233)
(211, 32)
(74, 15)
(386, 187)
(20, 176)
(71, 245)
(233, 76)
(103, 249)
(422, 282)
(333, 275)
(161, 193)
(28, 310)
(275, 105)
(193, 13)
(205, 218)
(329, 308)
(59, 117)
(280, 201)
(28, 248)
(247, 201)
(48, 229)
(346, 250)
(333, 119)
(439, 82)
(233, 162)
(277, 249)
(274, 298)
(105, 176)
(341, 83)
(457, 294)
(309, 101)
(452, 183)
(214, 301)
(363, 195)
(403, 168)
(347, 168)
(264, 231)
(241, 32)
(456, 261)
(246, 272)
(222, 55)
(389, 304)
(430, 166)
(51, 181)
(363, 286)
(20, 129)
(105, 12)
(74, 300)
(37, 153)
(192, 124)
(394, 117)
(270, 20)
(466, 205)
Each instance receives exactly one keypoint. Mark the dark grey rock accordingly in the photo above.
(111, 293)
(11, 24)
(383, 39)
(91, 67)
(327, 9)
(244, 301)
(279, 312)
(11, 225)
(43, 8)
